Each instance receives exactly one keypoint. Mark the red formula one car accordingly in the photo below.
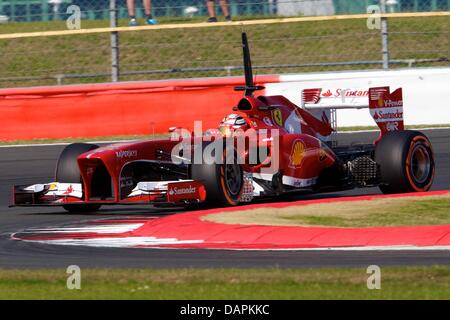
(286, 149)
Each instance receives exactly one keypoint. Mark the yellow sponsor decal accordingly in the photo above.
(52, 187)
(322, 155)
(277, 117)
(298, 153)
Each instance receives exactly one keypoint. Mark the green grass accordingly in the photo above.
(344, 283)
(84, 139)
(409, 211)
(290, 43)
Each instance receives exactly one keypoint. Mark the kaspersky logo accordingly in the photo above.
(180, 191)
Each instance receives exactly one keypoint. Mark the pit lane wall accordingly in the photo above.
(154, 106)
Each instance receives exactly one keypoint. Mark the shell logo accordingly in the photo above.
(297, 154)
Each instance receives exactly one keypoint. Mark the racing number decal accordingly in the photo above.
(277, 117)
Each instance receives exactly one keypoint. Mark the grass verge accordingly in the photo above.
(349, 283)
(205, 52)
(409, 211)
(84, 139)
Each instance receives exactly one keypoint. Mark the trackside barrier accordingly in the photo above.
(116, 109)
(152, 107)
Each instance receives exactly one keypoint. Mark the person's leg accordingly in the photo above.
(132, 13)
(131, 8)
(147, 7)
(211, 10)
(226, 12)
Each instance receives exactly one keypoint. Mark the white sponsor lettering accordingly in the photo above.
(180, 191)
(387, 114)
(392, 126)
(390, 103)
(126, 153)
(299, 183)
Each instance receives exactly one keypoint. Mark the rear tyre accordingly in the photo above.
(223, 182)
(406, 162)
(67, 171)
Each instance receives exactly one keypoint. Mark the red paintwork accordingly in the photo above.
(191, 226)
(309, 129)
(197, 191)
(115, 156)
(300, 153)
(387, 109)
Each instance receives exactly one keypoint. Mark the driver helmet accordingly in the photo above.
(231, 123)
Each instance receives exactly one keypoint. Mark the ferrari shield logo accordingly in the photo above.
(277, 117)
(297, 153)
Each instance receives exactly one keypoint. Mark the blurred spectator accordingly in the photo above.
(131, 4)
(212, 10)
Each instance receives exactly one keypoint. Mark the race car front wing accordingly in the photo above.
(145, 192)
(55, 193)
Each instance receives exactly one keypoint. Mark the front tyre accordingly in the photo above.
(67, 171)
(223, 182)
(406, 162)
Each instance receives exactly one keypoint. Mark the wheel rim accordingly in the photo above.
(233, 178)
(420, 165)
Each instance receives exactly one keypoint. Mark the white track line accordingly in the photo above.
(127, 242)
(100, 229)
(59, 143)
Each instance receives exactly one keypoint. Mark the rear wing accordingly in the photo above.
(385, 107)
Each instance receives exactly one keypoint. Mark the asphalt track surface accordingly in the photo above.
(35, 164)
